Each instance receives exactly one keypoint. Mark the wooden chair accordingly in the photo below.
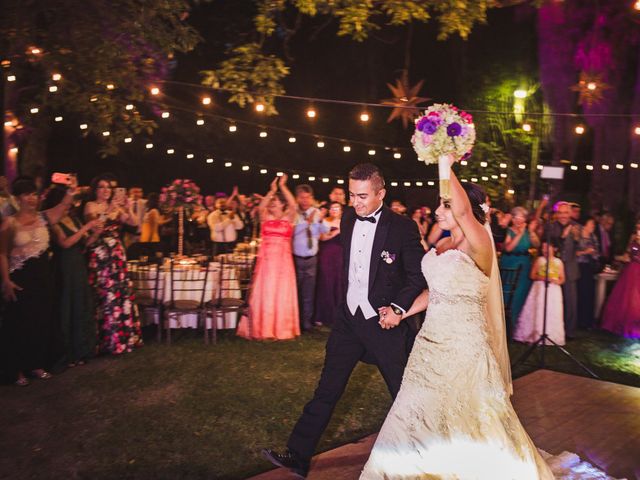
(190, 282)
(509, 277)
(146, 288)
(232, 296)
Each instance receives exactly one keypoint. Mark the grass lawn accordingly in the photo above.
(191, 411)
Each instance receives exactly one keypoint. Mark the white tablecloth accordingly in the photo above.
(190, 320)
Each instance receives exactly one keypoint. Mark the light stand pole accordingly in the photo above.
(550, 173)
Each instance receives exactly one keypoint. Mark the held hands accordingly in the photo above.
(388, 319)
(9, 291)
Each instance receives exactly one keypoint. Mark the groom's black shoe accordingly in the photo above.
(289, 460)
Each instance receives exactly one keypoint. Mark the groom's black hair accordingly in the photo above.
(368, 171)
(477, 196)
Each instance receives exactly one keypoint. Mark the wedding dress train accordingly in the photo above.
(453, 418)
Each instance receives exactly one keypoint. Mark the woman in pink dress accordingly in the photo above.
(273, 301)
(622, 311)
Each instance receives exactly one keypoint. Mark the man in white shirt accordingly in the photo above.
(224, 224)
(382, 257)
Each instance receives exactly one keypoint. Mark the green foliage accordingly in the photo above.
(109, 53)
(250, 75)
(248, 69)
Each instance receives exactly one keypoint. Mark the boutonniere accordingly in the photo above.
(388, 257)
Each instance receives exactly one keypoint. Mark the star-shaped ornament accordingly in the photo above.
(590, 88)
(405, 99)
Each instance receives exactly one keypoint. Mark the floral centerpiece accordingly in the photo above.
(180, 196)
(441, 132)
(180, 193)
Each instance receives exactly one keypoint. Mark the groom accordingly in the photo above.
(382, 256)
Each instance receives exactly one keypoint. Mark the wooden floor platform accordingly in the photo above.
(598, 420)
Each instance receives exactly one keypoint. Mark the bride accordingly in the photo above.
(452, 418)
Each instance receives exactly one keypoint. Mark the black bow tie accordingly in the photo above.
(371, 219)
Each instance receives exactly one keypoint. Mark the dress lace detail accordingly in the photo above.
(452, 418)
(29, 241)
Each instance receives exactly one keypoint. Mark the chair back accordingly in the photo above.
(146, 283)
(509, 277)
(188, 282)
(235, 276)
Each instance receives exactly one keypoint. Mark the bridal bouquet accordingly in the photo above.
(443, 132)
(180, 193)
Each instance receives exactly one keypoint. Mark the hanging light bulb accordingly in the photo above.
(106, 134)
(129, 107)
(58, 119)
(232, 128)
(574, 167)
(579, 129)
(155, 91)
(522, 166)
(53, 88)
(128, 140)
(431, 183)
(633, 165)
(245, 168)
(320, 144)
(263, 171)
(484, 164)
(11, 78)
(526, 127)
(209, 160)
(311, 113)
(259, 107)
(56, 77)
(340, 181)
(170, 151)
(110, 86)
(371, 152)
(292, 139)
(190, 156)
(149, 145)
(166, 114)
(346, 148)
(364, 117)
(263, 134)
(206, 100)
(200, 121)
(295, 176)
(83, 126)
(394, 184)
(589, 167)
(637, 131)
(397, 155)
(419, 184)
(227, 164)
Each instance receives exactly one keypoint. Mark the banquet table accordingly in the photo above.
(194, 276)
(602, 279)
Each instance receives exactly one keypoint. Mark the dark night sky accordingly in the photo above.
(324, 66)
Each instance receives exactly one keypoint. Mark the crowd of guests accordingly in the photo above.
(67, 295)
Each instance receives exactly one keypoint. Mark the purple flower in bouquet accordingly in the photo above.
(435, 117)
(430, 127)
(421, 123)
(454, 129)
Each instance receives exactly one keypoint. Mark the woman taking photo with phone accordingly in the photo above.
(118, 327)
(26, 280)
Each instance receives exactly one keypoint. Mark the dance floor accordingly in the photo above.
(598, 420)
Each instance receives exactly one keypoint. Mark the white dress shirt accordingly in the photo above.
(224, 229)
(359, 263)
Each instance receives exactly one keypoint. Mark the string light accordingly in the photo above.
(312, 179)
(35, 51)
(371, 152)
(170, 151)
(83, 126)
(494, 177)
(419, 184)
(149, 146)
(503, 175)
(619, 166)
(259, 107)
(263, 171)
(539, 167)
(394, 184)
(280, 174)
(206, 100)
(263, 134)
(128, 140)
(190, 156)
(34, 110)
(295, 176)
(340, 181)
(522, 166)
(227, 164)
(53, 88)
(463, 162)
(633, 165)
(232, 128)
(166, 114)
(526, 127)
(320, 144)
(574, 167)
(58, 119)
(93, 99)
(407, 184)
(346, 148)
(129, 107)
(200, 121)
(484, 164)
(511, 191)
(503, 165)
(110, 86)
(485, 179)
(474, 179)
(56, 77)
(637, 131)
(209, 160)
(589, 167)
(364, 117)
(14, 150)
(592, 86)
(106, 134)
(311, 113)
(155, 91)
(397, 155)
(245, 168)
(579, 129)
(11, 78)
(325, 180)
(605, 167)
(292, 139)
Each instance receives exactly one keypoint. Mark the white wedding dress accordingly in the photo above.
(452, 418)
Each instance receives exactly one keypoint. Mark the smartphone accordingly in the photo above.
(61, 178)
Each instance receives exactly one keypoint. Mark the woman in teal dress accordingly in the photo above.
(520, 238)
(74, 305)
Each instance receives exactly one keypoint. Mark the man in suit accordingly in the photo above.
(382, 258)
(565, 234)
(604, 234)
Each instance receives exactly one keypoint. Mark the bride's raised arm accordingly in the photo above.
(477, 238)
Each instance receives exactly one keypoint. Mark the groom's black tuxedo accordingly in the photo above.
(395, 277)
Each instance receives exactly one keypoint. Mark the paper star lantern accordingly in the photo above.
(590, 88)
(405, 99)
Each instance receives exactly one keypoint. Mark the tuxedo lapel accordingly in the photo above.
(346, 232)
(379, 240)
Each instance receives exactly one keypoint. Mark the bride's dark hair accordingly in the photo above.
(477, 196)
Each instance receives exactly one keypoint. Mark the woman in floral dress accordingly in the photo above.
(118, 327)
